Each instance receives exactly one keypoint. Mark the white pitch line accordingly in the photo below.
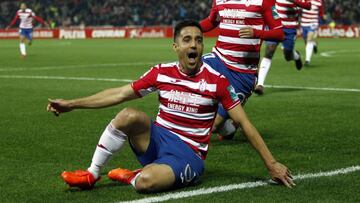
(129, 80)
(329, 54)
(313, 88)
(11, 69)
(64, 78)
(240, 186)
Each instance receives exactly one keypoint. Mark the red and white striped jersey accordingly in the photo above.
(188, 104)
(241, 54)
(26, 18)
(289, 11)
(310, 18)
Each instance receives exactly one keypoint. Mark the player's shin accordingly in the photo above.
(22, 49)
(265, 65)
(111, 141)
(309, 50)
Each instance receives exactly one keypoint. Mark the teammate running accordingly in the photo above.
(309, 23)
(288, 11)
(172, 148)
(26, 17)
(237, 51)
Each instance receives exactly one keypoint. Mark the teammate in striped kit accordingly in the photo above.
(288, 11)
(26, 17)
(309, 23)
(237, 51)
(172, 149)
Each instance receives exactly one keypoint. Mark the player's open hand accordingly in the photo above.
(246, 32)
(281, 174)
(58, 106)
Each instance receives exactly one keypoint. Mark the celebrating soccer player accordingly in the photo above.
(26, 16)
(172, 149)
(237, 51)
(288, 11)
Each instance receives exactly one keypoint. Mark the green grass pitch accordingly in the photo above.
(308, 130)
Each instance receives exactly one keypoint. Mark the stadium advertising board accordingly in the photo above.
(151, 32)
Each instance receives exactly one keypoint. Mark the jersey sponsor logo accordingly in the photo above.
(232, 13)
(185, 98)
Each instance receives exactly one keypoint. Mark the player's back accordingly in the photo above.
(26, 18)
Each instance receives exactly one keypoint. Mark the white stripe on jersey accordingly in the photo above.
(244, 2)
(284, 1)
(191, 131)
(186, 98)
(239, 53)
(237, 27)
(195, 116)
(192, 85)
(281, 8)
(238, 14)
(200, 146)
(287, 23)
(242, 41)
(233, 63)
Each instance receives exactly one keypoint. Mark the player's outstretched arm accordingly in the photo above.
(102, 99)
(277, 171)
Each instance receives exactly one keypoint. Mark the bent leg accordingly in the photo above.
(154, 178)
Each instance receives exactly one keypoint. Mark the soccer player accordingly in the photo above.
(172, 148)
(26, 17)
(237, 51)
(309, 23)
(288, 11)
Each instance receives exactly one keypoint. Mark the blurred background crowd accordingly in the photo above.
(82, 13)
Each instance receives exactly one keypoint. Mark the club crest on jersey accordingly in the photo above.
(232, 92)
(202, 85)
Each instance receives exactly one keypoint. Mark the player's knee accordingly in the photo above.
(126, 117)
(145, 183)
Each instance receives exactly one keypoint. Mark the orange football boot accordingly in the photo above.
(79, 178)
(123, 175)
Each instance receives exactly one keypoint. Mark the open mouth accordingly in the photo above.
(192, 57)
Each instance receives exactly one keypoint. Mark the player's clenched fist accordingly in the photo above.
(58, 106)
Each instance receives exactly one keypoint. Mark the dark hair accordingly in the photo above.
(185, 23)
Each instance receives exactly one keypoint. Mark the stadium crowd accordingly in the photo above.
(143, 12)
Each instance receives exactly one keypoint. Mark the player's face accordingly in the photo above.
(23, 6)
(189, 47)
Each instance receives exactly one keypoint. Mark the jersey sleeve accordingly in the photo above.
(226, 94)
(212, 21)
(146, 83)
(271, 17)
(13, 21)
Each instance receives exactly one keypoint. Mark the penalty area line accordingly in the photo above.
(240, 186)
